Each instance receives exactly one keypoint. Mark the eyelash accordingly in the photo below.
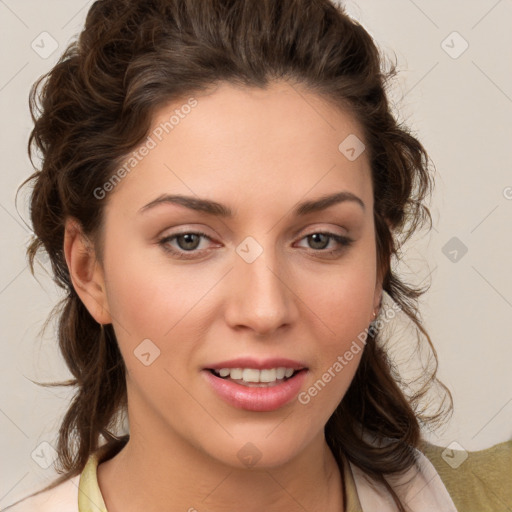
(343, 241)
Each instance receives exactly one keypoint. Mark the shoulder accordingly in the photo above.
(479, 480)
(61, 498)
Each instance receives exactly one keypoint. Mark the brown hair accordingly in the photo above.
(96, 105)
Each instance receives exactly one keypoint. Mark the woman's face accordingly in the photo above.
(259, 290)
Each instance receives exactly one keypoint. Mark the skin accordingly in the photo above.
(260, 152)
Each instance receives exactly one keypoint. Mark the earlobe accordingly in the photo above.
(85, 271)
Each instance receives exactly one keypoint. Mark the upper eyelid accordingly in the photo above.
(295, 232)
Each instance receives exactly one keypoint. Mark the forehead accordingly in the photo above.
(251, 145)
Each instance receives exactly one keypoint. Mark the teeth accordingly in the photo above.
(249, 375)
(268, 375)
(235, 373)
(255, 376)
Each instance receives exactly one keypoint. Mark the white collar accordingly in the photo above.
(420, 489)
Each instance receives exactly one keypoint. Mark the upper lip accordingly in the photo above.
(258, 364)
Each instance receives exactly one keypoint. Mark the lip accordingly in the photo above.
(258, 399)
(263, 364)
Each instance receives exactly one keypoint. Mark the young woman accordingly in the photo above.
(222, 192)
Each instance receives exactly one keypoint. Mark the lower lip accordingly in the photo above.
(255, 398)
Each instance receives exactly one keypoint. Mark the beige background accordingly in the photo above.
(458, 102)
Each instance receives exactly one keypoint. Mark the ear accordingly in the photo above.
(85, 271)
(381, 273)
(377, 298)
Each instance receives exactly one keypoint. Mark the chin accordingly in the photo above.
(258, 451)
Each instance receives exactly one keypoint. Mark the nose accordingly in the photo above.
(260, 297)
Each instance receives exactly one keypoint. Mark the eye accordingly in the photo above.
(186, 241)
(189, 241)
(320, 242)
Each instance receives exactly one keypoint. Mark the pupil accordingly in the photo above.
(315, 238)
(188, 237)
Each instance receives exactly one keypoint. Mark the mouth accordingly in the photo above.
(255, 378)
(259, 386)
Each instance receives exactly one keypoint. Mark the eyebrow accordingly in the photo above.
(220, 210)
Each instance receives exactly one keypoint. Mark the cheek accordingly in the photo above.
(146, 297)
(342, 297)
(157, 301)
(340, 308)
(331, 376)
(328, 387)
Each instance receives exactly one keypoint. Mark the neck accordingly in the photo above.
(171, 475)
